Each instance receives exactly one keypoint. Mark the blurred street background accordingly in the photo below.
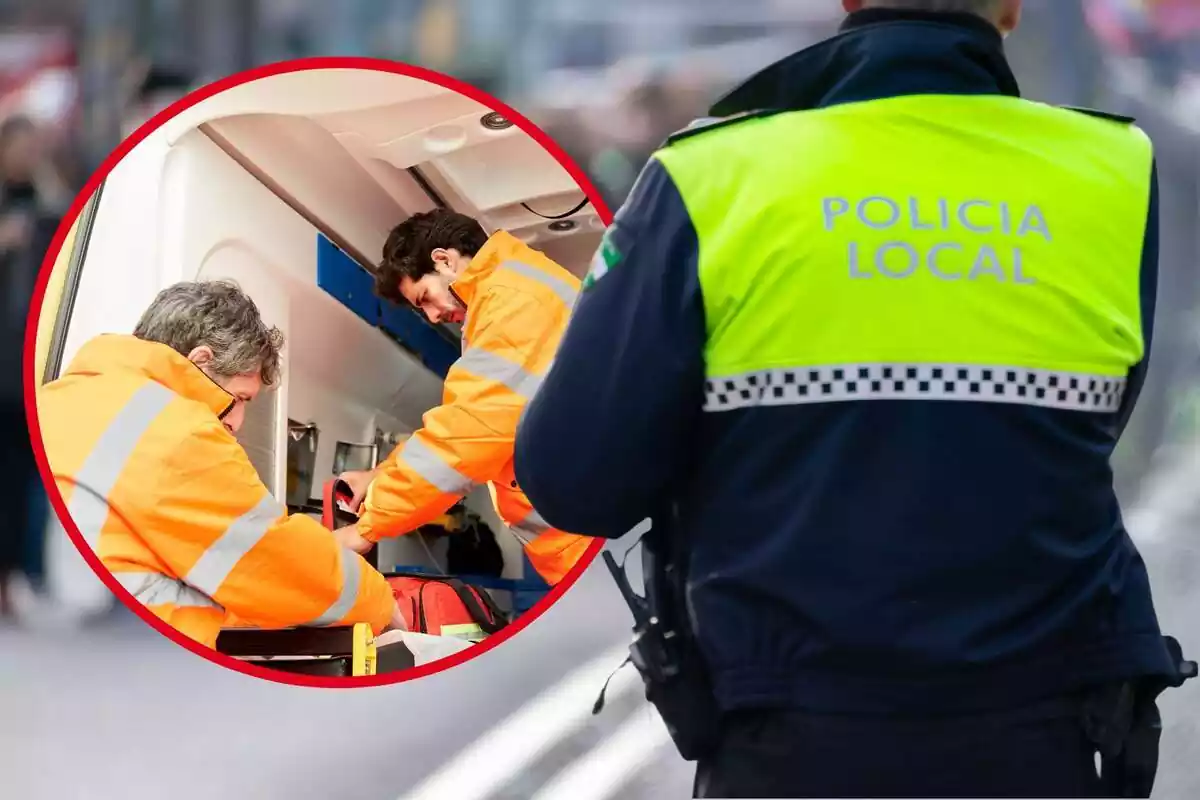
(95, 705)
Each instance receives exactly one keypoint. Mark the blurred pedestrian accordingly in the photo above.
(155, 86)
(31, 201)
(1164, 33)
(860, 339)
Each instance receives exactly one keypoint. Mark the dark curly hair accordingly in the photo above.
(406, 253)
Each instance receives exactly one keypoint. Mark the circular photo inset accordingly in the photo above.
(281, 348)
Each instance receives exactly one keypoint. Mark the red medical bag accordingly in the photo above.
(445, 606)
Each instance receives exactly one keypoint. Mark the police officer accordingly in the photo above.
(877, 329)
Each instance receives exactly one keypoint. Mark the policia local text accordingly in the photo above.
(948, 260)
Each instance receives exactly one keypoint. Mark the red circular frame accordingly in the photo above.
(279, 68)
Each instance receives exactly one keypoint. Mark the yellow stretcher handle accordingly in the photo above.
(363, 654)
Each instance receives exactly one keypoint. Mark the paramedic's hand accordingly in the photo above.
(358, 480)
(398, 622)
(350, 537)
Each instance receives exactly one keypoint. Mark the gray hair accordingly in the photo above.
(984, 8)
(223, 317)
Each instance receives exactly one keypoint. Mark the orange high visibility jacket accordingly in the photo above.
(518, 303)
(172, 506)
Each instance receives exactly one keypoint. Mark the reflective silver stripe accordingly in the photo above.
(156, 589)
(95, 480)
(430, 466)
(351, 576)
(525, 408)
(216, 562)
(1073, 391)
(531, 527)
(565, 291)
(497, 368)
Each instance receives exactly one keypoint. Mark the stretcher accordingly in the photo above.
(339, 651)
(333, 651)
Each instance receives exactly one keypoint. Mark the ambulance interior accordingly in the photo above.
(290, 185)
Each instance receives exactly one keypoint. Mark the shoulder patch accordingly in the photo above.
(706, 124)
(607, 256)
(1092, 112)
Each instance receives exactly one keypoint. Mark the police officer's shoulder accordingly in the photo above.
(1095, 112)
(710, 124)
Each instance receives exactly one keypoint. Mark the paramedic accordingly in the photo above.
(139, 434)
(513, 303)
(883, 393)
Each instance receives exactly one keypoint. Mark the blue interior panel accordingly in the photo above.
(343, 278)
(440, 359)
(435, 351)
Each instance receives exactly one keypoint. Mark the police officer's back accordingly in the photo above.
(877, 332)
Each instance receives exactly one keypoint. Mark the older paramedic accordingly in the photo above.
(139, 433)
(514, 303)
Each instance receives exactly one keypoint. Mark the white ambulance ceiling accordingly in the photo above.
(357, 151)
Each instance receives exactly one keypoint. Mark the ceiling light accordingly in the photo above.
(495, 121)
(562, 225)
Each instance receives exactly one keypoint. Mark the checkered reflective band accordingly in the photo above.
(1072, 391)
